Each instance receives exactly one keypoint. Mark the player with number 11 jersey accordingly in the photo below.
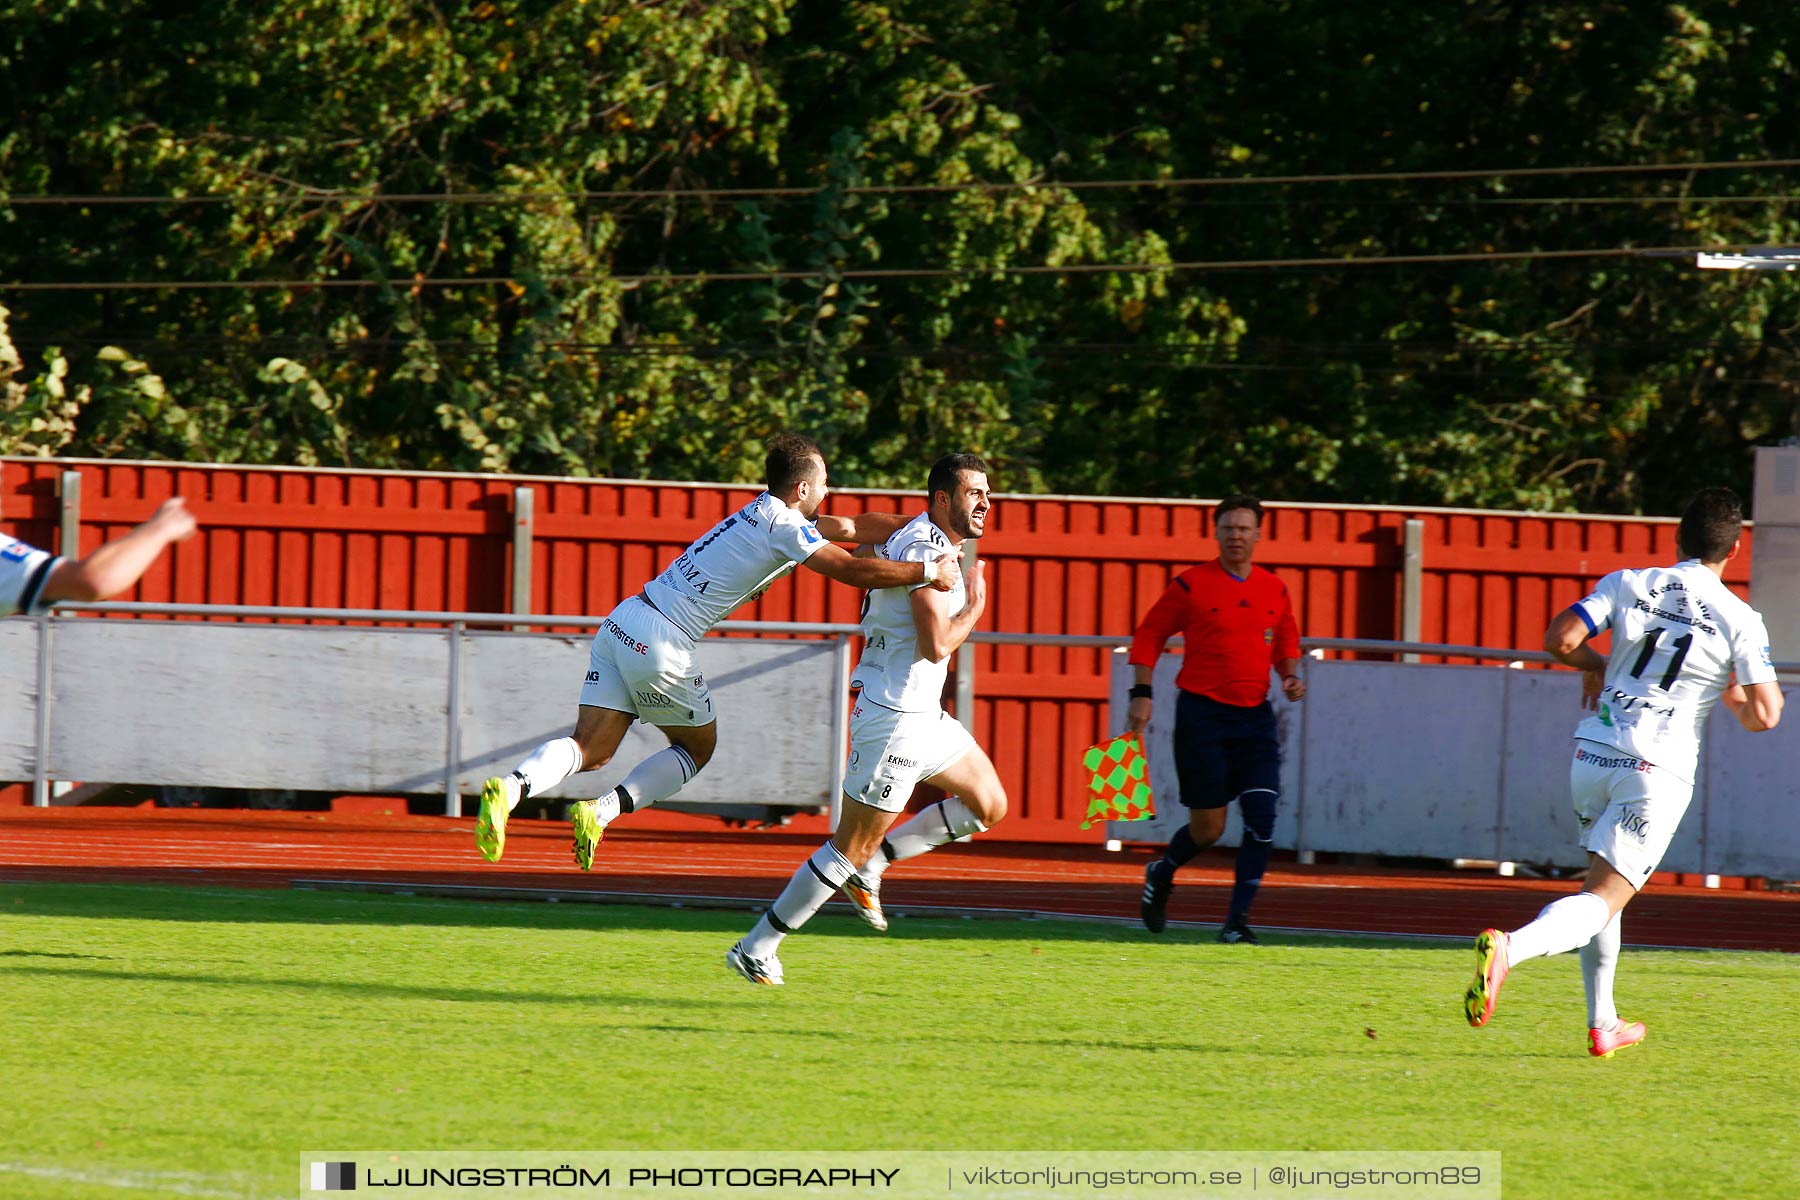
(1678, 633)
(1679, 636)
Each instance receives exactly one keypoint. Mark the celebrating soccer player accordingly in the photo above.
(643, 664)
(900, 734)
(1678, 636)
(31, 580)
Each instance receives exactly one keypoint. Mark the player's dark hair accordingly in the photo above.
(1710, 525)
(1249, 504)
(944, 473)
(791, 458)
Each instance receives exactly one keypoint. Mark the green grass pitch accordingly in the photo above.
(166, 1042)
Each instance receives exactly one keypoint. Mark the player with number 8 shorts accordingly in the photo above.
(900, 734)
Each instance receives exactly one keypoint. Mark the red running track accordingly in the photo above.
(668, 858)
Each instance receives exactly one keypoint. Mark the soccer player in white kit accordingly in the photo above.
(1679, 636)
(900, 734)
(31, 580)
(642, 665)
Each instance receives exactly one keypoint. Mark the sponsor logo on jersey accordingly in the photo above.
(1268, 637)
(810, 533)
(1768, 658)
(1703, 626)
(1628, 703)
(593, 677)
(684, 569)
(14, 551)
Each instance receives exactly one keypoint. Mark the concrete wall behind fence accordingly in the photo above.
(1056, 565)
(1439, 761)
(342, 709)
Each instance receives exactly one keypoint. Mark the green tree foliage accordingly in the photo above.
(375, 153)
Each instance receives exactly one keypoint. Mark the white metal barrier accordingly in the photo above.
(1445, 761)
(338, 707)
(1389, 758)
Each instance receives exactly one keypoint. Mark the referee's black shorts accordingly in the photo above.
(1224, 750)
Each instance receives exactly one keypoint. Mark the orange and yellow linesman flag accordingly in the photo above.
(1120, 789)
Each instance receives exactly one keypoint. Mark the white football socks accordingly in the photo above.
(947, 821)
(547, 766)
(1560, 927)
(817, 881)
(1599, 960)
(650, 782)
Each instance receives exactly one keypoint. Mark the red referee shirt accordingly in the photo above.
(1235, 630)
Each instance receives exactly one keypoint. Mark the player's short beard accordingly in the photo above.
(814, 502)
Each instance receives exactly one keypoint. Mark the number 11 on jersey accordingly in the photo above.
(1680, 646)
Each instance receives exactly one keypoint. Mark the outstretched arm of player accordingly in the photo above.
(1566, 640)
(121, 562)
(865, 529)
(835, 562)
(940, 630)
(1757, 707)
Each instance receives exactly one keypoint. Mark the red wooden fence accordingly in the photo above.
(1059, 564)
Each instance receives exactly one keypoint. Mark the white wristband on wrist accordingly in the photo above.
(930, 566)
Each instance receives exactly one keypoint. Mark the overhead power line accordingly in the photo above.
(338, 196)
(1270, 357)
(879, 273)
(1284, 202)
(1245, 350)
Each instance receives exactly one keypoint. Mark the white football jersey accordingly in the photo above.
(1678, 633)
(892, 672)
(23, 570)
(735, 562)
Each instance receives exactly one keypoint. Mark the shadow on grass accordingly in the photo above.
(148, 902)
(891, 1037)
(170, 902)
(1281, 1051)
(364, 988)
(50, 954)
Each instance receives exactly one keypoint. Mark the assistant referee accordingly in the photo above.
(1237, 622)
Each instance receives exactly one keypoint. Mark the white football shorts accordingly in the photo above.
(890, 752)
(641, 662)
(1628, 808)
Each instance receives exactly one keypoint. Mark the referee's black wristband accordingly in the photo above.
(1139, 691)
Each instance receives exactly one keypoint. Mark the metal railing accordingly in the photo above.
(456, 624)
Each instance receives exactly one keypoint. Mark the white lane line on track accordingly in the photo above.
(187, 856)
